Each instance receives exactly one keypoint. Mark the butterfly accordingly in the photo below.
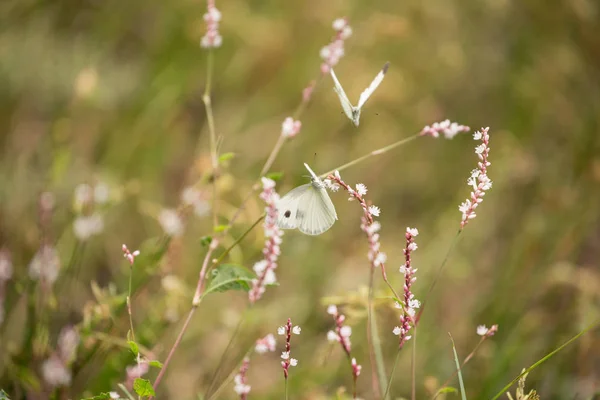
(351, 111)
(307, 207)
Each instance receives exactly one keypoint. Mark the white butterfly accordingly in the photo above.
(307, 207)
(354, 112)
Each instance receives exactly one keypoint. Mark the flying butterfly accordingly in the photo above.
(307, 207)
(351, 111)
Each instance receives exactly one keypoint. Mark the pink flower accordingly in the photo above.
(212, 38)
(265, 268)
(287, 330)
(129, 255)
(240, 381)
(449, 129)
(410, 304)
(290, 128)
(334, 51)
(478, 181)
(265, 344)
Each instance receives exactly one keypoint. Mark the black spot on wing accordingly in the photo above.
(287, 214)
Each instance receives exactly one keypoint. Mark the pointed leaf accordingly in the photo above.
(155, 363)
(134, 347)
(229, 277)
(143, 387)
(276, 176)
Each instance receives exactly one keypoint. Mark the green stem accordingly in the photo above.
(389, 385)
(129, 302)
(222, 359)
(463, 394)
(545, 358)
(238, 240)
(414, 365)
(286, 389)
(371, 154)
(212, 133)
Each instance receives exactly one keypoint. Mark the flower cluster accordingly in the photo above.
(192, 197)
(170, 222)
(447, 128)
(6, 271)
(332, 53)
(409, 304)
(341, 334)
(478, 180)
(333, 182)
(484, 331)
(45, 264)
(85, 199)
(241, 386)
(55, 369)
(290, 128)
(136, 371)
(287, 331)
(212, 38)
(265, 268)
(129, 255)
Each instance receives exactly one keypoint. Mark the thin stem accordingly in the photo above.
(370, 327)
(385, 279)
(371, 154)
(437, 276)
(222, 359)
(124, 389)
(273, 155)
(414, 365)
(213, 137)
(238, 240)
(465, 361)
(129, 303)
(117, 341)
(389, 385)
(195, 303)
(463, 394)
(286, 388)
(175, 345)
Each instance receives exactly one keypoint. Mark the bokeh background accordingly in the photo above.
(110, 93)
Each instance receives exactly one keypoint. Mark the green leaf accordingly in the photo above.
(276, 176)
(3, 395)
(155, 363)
(143, 387)
(229, 277)
(205, 240)
(226, 157)
(101, 396)
(447, 389)
(134, 347)
(460, 378)
(220, 228)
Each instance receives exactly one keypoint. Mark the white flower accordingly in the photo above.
(331, 185)
(332, 309)
(281, 330)
(361, 189)
(86, 226)
(83, 195)
(45, 264)
(293, 362)
(477, 135)
(380, 259)
(55, 373)
(412, 231)
(296, 330)
(346, 32)
(270, 278)
(345, 331)
(170, 222)
(285, 355)
(414, 303)
(482, 330)
(480, 149)
(411, 312)
(241, 388)
(265, 344)
(267, 183)
(397, 331)
(101, 193)
(325, 52)
(339, 24)
(290, 128)
(337, 174)
(114, 395)
(374, 210)
(464, 206)
(332, 336)
(412, 246)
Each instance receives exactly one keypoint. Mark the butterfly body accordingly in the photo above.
(307, 208)
(353, 112)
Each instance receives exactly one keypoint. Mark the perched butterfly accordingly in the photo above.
(351, 111)
(307, 207)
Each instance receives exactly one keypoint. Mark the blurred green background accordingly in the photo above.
(110, 92)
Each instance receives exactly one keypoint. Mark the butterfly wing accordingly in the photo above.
(316, 212)
(364, 96)
(287, 207)
(346, 105)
